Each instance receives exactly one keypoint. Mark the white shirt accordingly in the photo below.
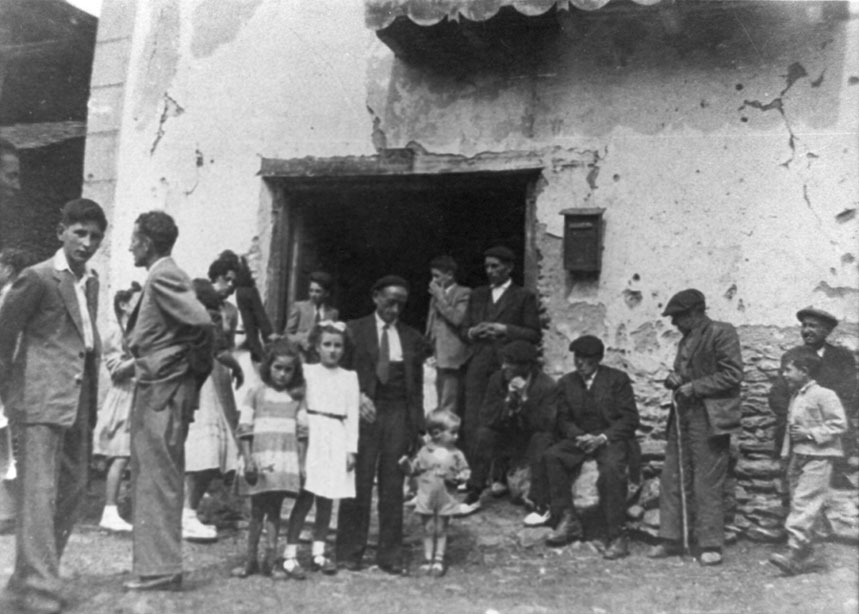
(589, 381)
(395, 348)
(497, 291)
(62, 264)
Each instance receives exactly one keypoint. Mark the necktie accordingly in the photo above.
(383, 365)
(318, 317)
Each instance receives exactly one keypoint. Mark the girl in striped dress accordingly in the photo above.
(268, 435)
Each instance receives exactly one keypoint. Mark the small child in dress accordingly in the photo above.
(268, 435)
(815, 424)
(440, 467)
(112, 429)
(331, 401)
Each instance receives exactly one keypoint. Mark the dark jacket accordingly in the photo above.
(517, 308)
(364, 354)
(837, 372)
(613, 397)
(715, 369)
(537, 413)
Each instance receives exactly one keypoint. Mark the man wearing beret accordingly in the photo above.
(708, 371)
(517, 418)
(597, 418)
(388, 357)
(497, 314)
(837, 372)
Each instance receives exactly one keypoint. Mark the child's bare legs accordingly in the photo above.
(303, 503)
(196, 485)
(273, 503)
(429, 541)
(435, 544)
(442, 522)
(320, 533)
(114, 478)
(110, 518)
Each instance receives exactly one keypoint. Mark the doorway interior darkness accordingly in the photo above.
(361, 228)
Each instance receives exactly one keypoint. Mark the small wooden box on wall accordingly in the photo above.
(583, 236)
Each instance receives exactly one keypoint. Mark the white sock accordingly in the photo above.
(290, 552)
(109, 511)
(318, 549)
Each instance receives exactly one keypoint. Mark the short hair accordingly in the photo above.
(206, 294)
(322, 278)
(442, 419)
(8, 148)
(160, 228)
(444, 263)
(803, 358)
(244, 277)
(278, 349)
(17, 259)
(123, 296)
(223, 265)
(82, 210)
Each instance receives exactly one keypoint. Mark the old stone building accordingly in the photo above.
(625, 152)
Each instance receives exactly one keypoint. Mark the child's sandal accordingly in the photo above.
(438, 568)
(426, 568)
(324, 564)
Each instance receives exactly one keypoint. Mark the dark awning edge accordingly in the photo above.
(379, 14)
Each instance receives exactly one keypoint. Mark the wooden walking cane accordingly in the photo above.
(684, 508)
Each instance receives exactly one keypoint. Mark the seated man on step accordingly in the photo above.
(597, 418)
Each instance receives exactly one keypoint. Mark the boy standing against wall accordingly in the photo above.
(812, 441)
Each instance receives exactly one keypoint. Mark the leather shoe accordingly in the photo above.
(618, 548)
(394, 570)
(664, 550)
(569, 529)
(793, 562)
(350, 565)
(155, 583)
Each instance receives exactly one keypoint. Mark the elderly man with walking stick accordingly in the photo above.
(708, 370)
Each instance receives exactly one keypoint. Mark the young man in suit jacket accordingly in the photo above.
(448, 304)
(597, 418)
(388, 357)
(304, 315)
(497, 314)
(708, 371)
(170, 335)
(49, 348)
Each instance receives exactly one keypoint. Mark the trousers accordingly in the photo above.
(52, 478)
(705, 465)
(808, 477)
(158, 481)
(380, 446)
(493, 444)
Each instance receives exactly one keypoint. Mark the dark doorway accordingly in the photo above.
(361, 230)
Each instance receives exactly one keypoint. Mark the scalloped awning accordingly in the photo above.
(379, 14)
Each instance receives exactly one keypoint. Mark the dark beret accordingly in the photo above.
(819, 314)
(519, 352)
(504, 254)
(684, 301)
(390, 280)
(588, 346)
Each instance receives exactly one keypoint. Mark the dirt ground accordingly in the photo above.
(496, 567)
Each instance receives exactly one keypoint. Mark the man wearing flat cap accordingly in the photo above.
(597, 418)
(388, 356)
(708, 371)
(517, 418)
(497, 314)
(837, 372)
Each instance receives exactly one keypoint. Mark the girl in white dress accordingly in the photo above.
(331, 399)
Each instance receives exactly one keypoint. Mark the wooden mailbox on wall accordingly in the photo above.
(583, 233)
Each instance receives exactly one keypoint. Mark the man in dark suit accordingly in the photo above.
(597, 418)
(448, 304)
(517, 419)
(708, 371)
(170, 335)
(388, 357)
(49, 348)
(837, 372)
(497, 314)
